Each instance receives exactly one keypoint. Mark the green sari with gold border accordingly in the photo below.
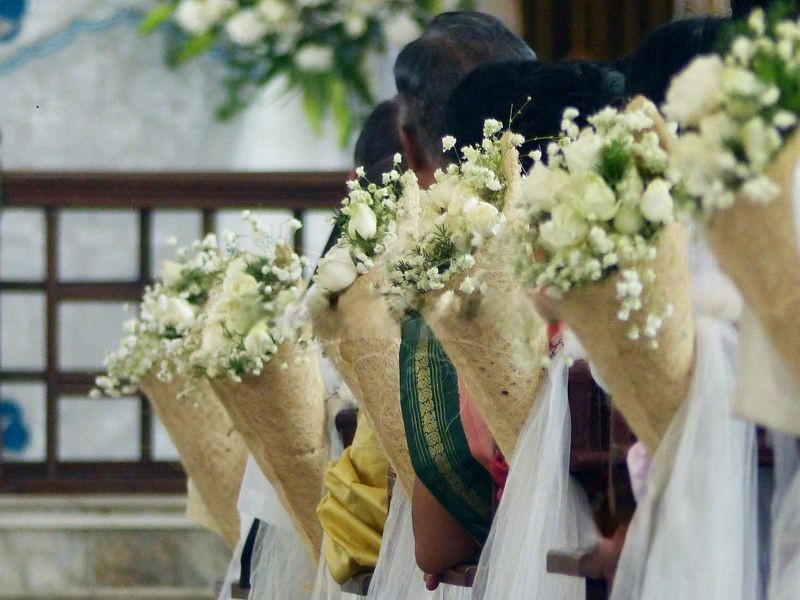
(437, 443)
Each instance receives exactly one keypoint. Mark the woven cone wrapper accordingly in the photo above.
(478, 331)
(212, 451)
(281, 416)
(478, 335)
(370, 352)
(647, 385)
(756, 245)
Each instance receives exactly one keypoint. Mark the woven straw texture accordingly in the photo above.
(478, 334)
(363, 341)
(647, 386)
(756, 244)
(281, 415)
(212, 452)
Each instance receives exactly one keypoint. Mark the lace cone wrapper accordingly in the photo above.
(212, 451)
(756, 245)
(369, 362)
(478, 333)
(647, 385)
(281, 416)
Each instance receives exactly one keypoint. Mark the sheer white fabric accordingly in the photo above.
(542, 508)
(397, 576)
(694, 534)
(785, 547)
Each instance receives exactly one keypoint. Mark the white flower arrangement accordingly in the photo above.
(367, 220)
(595, 209)
(254, 309)
(323, 47)
(735, 113)
(455, 216)
(167, 314)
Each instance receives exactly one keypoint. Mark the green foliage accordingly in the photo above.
(614, 162)
(157, 17)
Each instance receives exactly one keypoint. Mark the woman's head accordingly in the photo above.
(535, 94)
(667, 51)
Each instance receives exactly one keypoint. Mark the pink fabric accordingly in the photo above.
(480, 440)
(639, 463)
(499, 471)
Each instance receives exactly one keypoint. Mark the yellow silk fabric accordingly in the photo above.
(354, 508)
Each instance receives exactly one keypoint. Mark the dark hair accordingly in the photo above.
(667, 51)
(429, 68)
(501, 90)
(379, 138)
(376, 146)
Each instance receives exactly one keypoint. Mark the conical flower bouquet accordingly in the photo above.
(211, 450)
(369, 349)
(737, 154)
(351, 316)
(281, 416)
(254, 349)
(452, 271)
(601, 245)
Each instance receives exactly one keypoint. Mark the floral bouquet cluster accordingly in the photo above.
(322, 47)
(737, 155)
(211, 450)
(367, 221)
(455, 216)
(253, 311)
(450, 268)
(351, 317)
(599, 238)
(253, 349)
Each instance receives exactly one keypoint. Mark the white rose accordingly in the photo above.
(590, 195)
(258, 341)
(178, 314)
(760, 142)
(696, 91)
(171, 273)
(482, 218)
(540, 186)
(697, 162)
(355, 25)
(362, 221)
(193, 17)
(582, 154)
(214, 339)
(314, 58)
(336, 271)
(628, 220)
(246, 28)
(273, 11)
(657, 204)
(401, 29)
(565, 228)
(237, 283)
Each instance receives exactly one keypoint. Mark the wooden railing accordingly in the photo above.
(142, 193)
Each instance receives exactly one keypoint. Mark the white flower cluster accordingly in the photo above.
(368, 224)
(323, 47)
(252, 311)
(735, 113)
(167, 315)
(455, 216)
(596, 209)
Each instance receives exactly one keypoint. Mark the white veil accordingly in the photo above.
(785, 545)
(694, 536)
(542, 508)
